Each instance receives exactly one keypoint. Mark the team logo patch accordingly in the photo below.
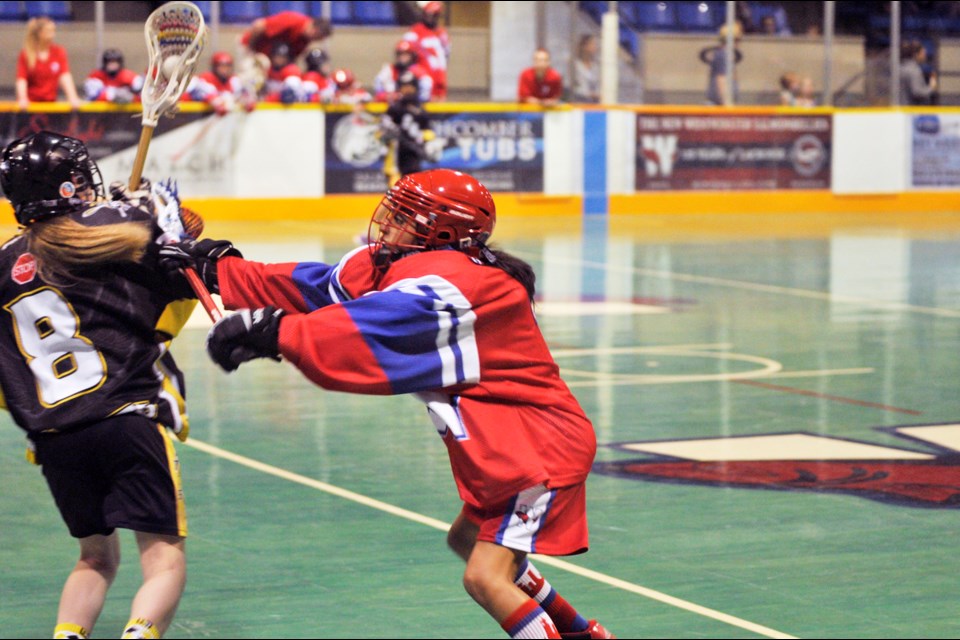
(905, 477)
(67, 189)
(24, 269)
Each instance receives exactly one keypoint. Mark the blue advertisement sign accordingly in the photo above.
(935, 146)
(504, 151)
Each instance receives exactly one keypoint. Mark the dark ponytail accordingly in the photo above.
(513, 266)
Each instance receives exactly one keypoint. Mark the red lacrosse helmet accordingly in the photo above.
(433, 7)
(405, 46)
(344, 79)
(221, 57)
(429, 210)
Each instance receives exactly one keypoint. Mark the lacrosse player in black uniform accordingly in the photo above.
(85, 371)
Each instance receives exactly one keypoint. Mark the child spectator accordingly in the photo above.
(317, 85)
(284, 83)
(112, 82)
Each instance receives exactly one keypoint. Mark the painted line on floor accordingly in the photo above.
(379, 505)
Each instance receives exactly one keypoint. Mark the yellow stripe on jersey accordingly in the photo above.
(175, 316)
(174, 465)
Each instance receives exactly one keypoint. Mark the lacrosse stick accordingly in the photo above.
(175, 34)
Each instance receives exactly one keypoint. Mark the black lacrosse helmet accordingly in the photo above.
(315, 60)
(45, 174)
(112, 56)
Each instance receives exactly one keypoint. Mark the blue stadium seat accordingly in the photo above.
(233, 11)
(700, 16)
(656, 16)
(54, 10)
(300, 7)
(12, 11)
(204, 8)
(594, 9)
(374, 13)
(341, 12)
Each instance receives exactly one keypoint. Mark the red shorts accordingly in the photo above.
(537, 520)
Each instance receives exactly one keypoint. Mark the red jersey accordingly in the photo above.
(287, 27)
(317, 87)
(44, 78)
(101, 86)
(546, 88)
(434, 45)
(459, 335)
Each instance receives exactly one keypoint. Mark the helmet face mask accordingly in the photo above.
(46, 174)
(429, 210)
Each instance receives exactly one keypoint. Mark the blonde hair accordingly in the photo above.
(64, 248)
(31, 41)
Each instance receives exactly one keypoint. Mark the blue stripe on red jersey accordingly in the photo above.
(421, 333)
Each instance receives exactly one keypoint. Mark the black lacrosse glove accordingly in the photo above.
(201, 255)
(244, 336)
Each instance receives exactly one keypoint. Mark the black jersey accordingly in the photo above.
(75, 354)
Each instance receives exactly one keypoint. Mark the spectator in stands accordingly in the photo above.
(284, 82)
(221, 88)
(43, 67)
(432, 41)
(806, 96)
(291, 28)
(789, 83)
(586, 70)
(540, 84)
(406, 57)
(722, 86)
(112, 82)
(915, 89)
(317, 85)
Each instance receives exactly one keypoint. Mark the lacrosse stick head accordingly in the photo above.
(175, 34)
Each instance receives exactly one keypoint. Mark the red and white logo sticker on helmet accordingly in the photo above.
(24, 269)
(67, 189)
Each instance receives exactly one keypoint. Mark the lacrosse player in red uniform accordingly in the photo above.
(428, 308)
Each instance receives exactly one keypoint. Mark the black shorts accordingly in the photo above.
(122, 472)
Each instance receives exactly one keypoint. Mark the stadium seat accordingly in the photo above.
(11, 11)
(241, 11)
(761, 11)
(700, 16)
(300, 7)
(374, 13)
(341, 12)
(204, 8)
(54, 10)
(655, 16)
(594, 9)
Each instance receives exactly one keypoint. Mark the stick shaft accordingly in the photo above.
(202, 294)
(146, 134)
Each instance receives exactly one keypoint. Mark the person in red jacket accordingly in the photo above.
(42, 67)
(296, 30)
(429, 309)
(112, 82)
(284, 78)
(540, 84)
(433, 42)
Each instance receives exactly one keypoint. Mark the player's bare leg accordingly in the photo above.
(86, 587)
(163, 560)
(489, 579)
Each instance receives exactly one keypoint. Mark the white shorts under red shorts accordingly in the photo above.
(537, 520)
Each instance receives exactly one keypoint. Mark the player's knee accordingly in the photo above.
(478, 584)
(104, 562)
